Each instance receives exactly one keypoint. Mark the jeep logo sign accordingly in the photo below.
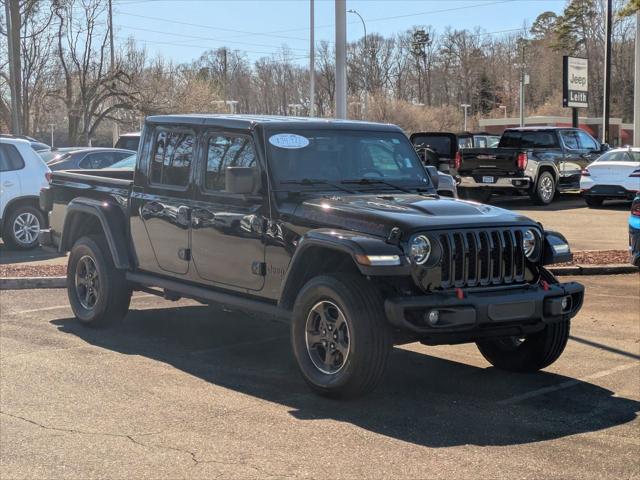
(575, 82)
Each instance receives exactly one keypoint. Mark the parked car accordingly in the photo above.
(446, 145)
(614, 175)
(333, 225)
(37, 145)
(127, 163)
(56, 153)
(88, 158)
(634, 231)
(22, 175)
(128, 141)
(538, 161)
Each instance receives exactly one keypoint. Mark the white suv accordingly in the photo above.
(22, 175)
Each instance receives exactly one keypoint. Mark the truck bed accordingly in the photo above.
(493, 161)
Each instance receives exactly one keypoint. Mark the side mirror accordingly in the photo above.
(240, 180)
(433, 175)
(604, 147)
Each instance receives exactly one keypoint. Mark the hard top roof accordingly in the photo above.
(249, 122)
(543, 127)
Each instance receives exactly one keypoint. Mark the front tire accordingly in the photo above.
(529, 354)
(98, 292)
(23, 226)
(340, 336)
(545, 189)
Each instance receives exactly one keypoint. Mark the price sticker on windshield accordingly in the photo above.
(288, 140)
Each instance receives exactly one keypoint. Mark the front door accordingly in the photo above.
(226, 228)
(164, 203)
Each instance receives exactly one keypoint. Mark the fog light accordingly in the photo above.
(566, 303)
(432, 317)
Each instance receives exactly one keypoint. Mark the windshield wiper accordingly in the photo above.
(316, 181)
(375, 181)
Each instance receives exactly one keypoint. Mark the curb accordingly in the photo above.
(611, 269)
(23, 283)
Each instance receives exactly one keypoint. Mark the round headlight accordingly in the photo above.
(529, 243)
(420, 249)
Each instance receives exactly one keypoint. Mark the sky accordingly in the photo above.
(181, 30)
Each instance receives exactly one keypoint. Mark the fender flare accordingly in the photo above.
(107, 215)
(547, 164)
(352, 244)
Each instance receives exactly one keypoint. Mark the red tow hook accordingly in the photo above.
(545, 285)
(459, 294)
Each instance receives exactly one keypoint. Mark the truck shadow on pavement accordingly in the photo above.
(563, 202)
(423, 399)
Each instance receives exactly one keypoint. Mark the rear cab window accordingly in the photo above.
(528, 139)
(171, 159)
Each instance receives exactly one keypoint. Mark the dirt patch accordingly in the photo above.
(599, 257)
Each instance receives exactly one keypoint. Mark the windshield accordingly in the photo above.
(343, 155)
(126, 163)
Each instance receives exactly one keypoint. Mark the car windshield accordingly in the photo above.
(127, 163)
(344, 155)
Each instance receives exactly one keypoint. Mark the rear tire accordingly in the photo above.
(350, 357)
(533, 353)
(22, 227)
(544, 190)
(593, 202)
(99, 293)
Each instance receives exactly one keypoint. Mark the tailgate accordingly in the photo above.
(494, 161)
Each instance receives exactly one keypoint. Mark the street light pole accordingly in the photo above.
(465, 106)
(636, 90)
(366, 60)
(341, 59)
(607, 73)
(312, 61)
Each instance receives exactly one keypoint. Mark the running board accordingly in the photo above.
(212, 296)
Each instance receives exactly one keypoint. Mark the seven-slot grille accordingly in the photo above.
(482, 257)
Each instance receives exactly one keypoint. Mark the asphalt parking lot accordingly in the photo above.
(186, 390)
(604, 228)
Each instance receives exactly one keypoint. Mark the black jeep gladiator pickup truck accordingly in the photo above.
(538, 161)
(334, 225)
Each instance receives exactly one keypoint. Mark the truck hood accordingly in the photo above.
(378, 214)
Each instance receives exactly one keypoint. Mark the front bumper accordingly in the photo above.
(483, 313)
(500, 182)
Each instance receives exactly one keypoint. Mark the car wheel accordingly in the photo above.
(98, 292)
(340, 336)
(528, 354)
(593, 202)
(545, 189)
(23, 227)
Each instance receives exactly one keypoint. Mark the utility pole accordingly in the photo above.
(12, 15)
(636, 89)
(522, 82)
(341, 59)
(312, 61)
(52, 125)
(114, 131)
(607, 73)
(465, 106)
(366, 62)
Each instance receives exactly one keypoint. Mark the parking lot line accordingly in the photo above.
(567, 384)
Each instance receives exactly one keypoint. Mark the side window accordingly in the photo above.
(172, 158)
(96, 160)
(570, 139)
(10, 158)
(226, 151)
(586, 141)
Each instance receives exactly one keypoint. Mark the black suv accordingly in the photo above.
(335, 225)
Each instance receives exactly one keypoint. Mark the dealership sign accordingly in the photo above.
(575, 83)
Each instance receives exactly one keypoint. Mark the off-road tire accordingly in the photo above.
(112, 301)
(593, 202)
(370, 335)
(9, 235)
(539, 194)
(535, 352)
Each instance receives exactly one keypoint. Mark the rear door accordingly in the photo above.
(579, 150)
(227, 229)
(10, 163)
(164, 203)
